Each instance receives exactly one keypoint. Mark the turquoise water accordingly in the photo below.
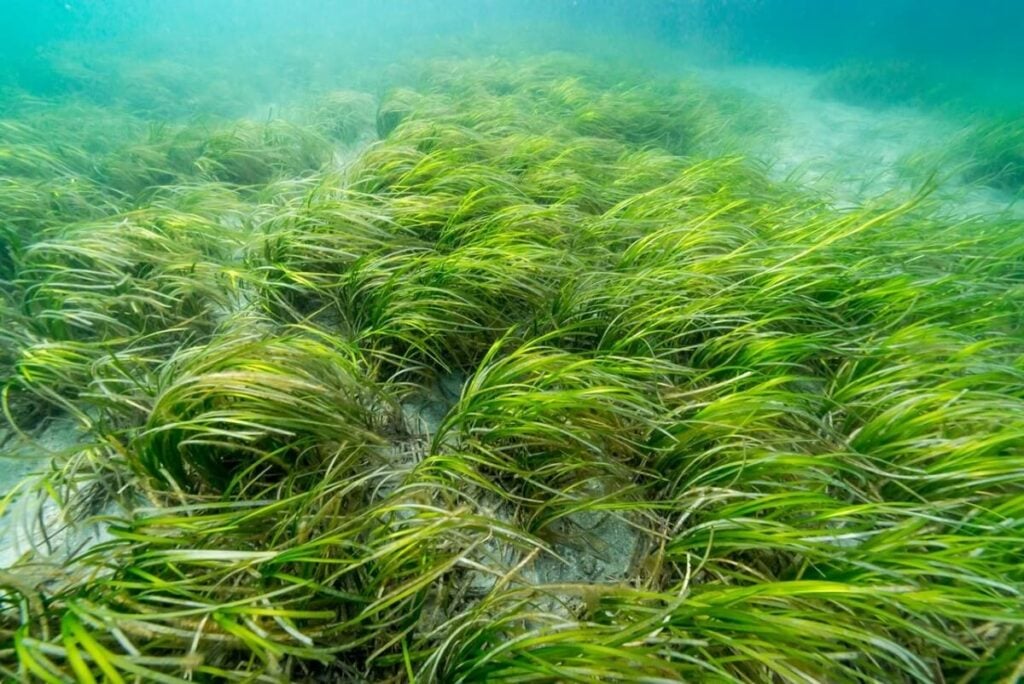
(275, 47)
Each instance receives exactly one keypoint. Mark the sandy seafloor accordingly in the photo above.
(848, 153)
(853, 153)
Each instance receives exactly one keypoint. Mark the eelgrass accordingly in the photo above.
(887, 83)
(804, 424)
(995, 154)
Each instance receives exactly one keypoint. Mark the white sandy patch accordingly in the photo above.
(855, 153)
(33, 525)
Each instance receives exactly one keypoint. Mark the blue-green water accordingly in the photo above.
(275, 46)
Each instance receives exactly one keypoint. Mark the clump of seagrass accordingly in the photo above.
(345, 116)
(240, 409)
(995, 154)
(886, 83)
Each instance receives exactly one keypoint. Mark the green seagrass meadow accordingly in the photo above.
(514, 371)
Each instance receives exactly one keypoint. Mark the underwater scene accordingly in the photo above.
(511, 341)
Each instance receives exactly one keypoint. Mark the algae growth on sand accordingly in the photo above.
(521, 369)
